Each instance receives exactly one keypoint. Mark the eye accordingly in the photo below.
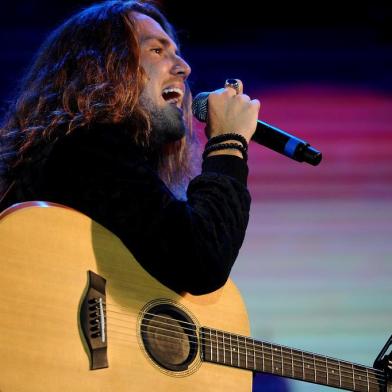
(157, 50)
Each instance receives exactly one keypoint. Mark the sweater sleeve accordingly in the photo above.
(187, 245)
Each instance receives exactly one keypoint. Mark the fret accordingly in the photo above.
(333, 376)
(268, 358)
(352, 367)
(205, 344)
(254, 354)
(239, 351)
(297, 364)
(309, 371)
(244, 347)
(217, 346)
(226, 344)
(346, 376)
(231, 351)
(247, 348)
(360, 378)
(276, 359)
(222, 344)
(288, 362)
(251, 355)
(321, 370)
(326, 367)
(260, 357)
(221, 347)
(292, 363)
(340, 375)
(236, 350)
(211, 346)
(227, 348)
(374, 381)
(246, 353)
(367, 377)
(242, 352)
(306, 366)
(321, 367)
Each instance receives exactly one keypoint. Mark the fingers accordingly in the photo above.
(235, 84)
(256, 103)
(234, 88)
(229, 111)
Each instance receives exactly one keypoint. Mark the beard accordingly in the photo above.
(167, 123)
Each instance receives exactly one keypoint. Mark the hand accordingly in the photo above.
(232, 112)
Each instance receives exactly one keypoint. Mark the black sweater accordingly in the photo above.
(187, 245)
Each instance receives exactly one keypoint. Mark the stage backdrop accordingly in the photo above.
(316, 265)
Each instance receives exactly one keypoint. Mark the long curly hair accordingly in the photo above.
(88, 72)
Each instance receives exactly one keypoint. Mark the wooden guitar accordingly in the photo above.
(78, 313)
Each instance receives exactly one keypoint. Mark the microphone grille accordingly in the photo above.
(200, 106)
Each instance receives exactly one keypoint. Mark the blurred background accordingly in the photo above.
(316, 266)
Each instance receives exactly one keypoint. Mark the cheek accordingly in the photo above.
(145, 71)
(150, 68)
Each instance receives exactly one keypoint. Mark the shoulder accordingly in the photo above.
(98, 142)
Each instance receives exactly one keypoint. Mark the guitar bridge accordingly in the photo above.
(93, 321)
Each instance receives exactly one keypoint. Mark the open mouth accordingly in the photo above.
(172, 95)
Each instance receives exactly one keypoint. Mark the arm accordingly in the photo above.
(189, 246)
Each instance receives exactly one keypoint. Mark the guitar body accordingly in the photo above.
(46, 253)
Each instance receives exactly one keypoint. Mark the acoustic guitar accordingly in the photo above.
(78, 313)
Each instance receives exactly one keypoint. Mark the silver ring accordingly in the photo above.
(233, 83)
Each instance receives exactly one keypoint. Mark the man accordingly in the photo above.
(102, 124)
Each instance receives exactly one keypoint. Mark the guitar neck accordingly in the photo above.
(242, 352)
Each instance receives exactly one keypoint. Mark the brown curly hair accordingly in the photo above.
(87, 72)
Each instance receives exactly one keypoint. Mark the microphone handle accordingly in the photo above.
(286, 144)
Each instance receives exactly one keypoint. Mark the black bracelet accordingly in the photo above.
(228, 136)
(225, 146)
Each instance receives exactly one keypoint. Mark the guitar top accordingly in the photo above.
(79, 313)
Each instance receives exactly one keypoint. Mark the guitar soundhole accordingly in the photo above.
(169, 336)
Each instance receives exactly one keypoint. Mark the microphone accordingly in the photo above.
(267, 135)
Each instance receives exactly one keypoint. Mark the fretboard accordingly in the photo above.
(239, 351)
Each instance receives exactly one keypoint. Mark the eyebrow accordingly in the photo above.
(163, 41)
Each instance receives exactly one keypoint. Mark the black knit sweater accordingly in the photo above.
(187, 245)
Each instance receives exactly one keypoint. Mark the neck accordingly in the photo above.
(246, 353)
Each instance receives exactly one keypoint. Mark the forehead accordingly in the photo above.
(148, 29)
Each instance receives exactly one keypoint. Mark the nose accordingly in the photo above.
(181, 67)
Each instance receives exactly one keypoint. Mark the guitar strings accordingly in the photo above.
(268, 356)
(340, 362)
(296, 364)
(342, 367)
(278, 357)
(125, 284)
(243, 353)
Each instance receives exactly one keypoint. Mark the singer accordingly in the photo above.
(102, 124)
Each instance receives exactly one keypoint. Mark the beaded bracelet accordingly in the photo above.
(225, 146)
(227, 136)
